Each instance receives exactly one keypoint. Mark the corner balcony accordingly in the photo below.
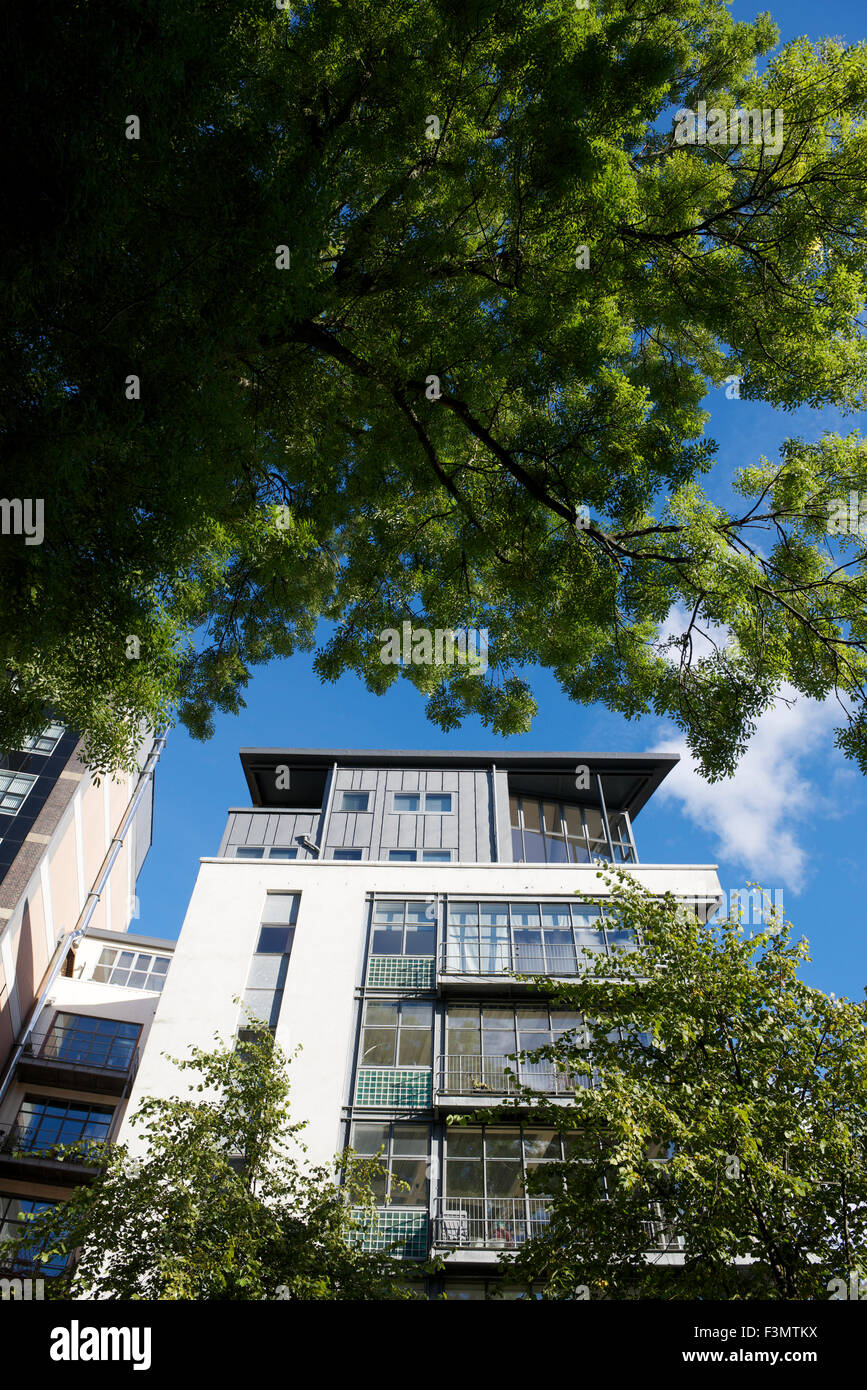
(49, 1166)
(470, 1226)
(74, 1061)
(471, 1083)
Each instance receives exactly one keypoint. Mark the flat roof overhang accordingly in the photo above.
(628, 779)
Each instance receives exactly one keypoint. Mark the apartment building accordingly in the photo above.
(375, 907)
(78, 991)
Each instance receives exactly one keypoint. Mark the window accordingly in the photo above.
(250, 852)
(353, 854)
(404, 929)
(266, 979)
(528, 938)
(354, 801)
(410, 856)
(282, 854)
(553, 832)
(44, 1121)
(397, 1034)
(134, 969)
(486, 1202)
(404, 1151)
(15, 1215)
(481, 1043)
(435, 803)
(46, 742)
(106, 1043)
(14, 789)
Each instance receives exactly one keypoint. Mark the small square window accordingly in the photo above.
(283, 854)
(437, 856)
(438, 803)
(406, 801)
(355, 801)
(402, 856)
(347, 854)
(275, 941)
(250, 852)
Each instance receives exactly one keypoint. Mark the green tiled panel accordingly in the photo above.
(405, 1231)
(393, 1088)
(401, 972)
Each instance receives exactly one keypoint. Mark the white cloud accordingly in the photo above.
(763, 818)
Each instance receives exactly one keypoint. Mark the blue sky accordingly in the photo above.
(793, 818)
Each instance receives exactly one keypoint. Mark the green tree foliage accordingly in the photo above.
(403, 413)
(219, 1203)
(729, 1111)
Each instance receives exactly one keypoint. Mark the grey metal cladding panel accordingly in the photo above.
(241, 829)
(362, 830)
(504, 820)
(483, 817)
(393, 779)
(257, 834)
(337, 829)
(285, 832)
(449, 780)
(432, 830)
(411, 779)
(389, 834)
(379, 810)
(466, 818)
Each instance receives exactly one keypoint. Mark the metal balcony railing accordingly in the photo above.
(21, 1142)
(511, 958)
(504, 1076)
(489, 1223)
(91, 1051)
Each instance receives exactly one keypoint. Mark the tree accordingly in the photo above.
(375, 312)
(220, 1206)
(728, 1119)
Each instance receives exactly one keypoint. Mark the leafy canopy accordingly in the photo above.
(217, 1201)
(729, 1110)
(401, 415)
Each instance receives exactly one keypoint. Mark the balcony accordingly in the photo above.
(488, 1223)
(493, 968)
(468, 1083)
(20, 1159)
(74, 1060)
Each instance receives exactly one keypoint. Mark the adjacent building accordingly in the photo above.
(78, 991)
(375, 909)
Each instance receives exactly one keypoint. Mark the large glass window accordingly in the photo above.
(486, 1200)
(555, 832)
(14, 789)
(481, 1043)
(98, 1042)
(528, 938)
(403, 928)
(44, 1121)
(134, 969)
(397, 1033)
(16, 1213)
(404, 1151)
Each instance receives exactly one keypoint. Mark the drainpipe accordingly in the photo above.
(73, 939)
